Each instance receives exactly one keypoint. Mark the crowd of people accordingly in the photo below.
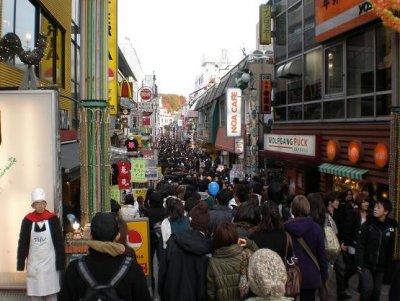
(235, 244)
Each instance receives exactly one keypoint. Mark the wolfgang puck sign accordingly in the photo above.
(291, 144)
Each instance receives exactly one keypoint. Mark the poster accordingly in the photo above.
(138, 170)
(138, 240)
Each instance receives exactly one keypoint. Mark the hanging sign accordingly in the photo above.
(234, 112)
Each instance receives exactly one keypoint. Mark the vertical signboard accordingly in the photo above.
(233, 112)
(112, 57)
(138, 240)
(336, 17)
(266, 87)
(265, 24)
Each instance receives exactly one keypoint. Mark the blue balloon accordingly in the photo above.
(213, 188)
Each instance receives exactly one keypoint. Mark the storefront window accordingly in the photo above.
(312, 111)
(295, 32)
(360, 107)
(280, 94)
(25, 27)
(7, 17)
(383, 104)
(360, 63)
(295, 112)
(280, 114)
(309, 25)
(333, 109)
(334, 69)
(312, 75)
(280, 6)
(383, 59)
(294, 87)
(280, 41)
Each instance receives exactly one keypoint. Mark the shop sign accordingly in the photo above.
(354, 151)
(381, 155)
(145, 94)
(239, 144)
(234, 114)
(138, 240)
(338, 16)
(112, 57)
(304, 145)
(265, 24)
(332, 150)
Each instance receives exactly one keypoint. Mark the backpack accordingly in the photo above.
(102, 292)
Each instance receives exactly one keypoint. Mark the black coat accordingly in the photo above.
(183, 269)
(132, 287)
(375, 244)
(274, 240)
(25, 239)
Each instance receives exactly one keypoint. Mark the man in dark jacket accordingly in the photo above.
(221, 212)
(103, 262)
(183, 269)
(374, 250)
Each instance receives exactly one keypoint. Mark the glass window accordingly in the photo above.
(73, 61)
(360, 63)
(360, 107)
(291, 2)
(280, 114)
(295, 112)
(312, 111)
(25, 27)
(295, 32)
(383, 104)
(334, 69)
(280, 6)
(75, 11)
(383, 59)
(280, 41)
(280, 91)
(309, 25)
(58, 53)
(6, 17)
(46, 64)
(222, 113)
(334, 109)
(294, 87)
(312, 75)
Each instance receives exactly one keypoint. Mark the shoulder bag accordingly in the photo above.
(293, 283)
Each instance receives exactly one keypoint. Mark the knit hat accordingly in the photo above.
(199, 217)
(104, 227)
(37, 195)
(267, 274)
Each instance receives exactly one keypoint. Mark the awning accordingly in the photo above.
(342, 171)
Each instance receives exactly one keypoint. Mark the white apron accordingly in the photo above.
(42, 278)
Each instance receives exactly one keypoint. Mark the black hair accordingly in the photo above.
(386, 203)
(270, 218)
(223, 196)
(317, 208)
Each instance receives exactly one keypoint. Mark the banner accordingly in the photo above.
(265, 24)
(234, 112)
(138, 170)
(112, 57)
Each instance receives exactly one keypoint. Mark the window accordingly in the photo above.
(309, 25)
(295, 112)
(280, 94)
(29, 21)
(383, 59)
(295, 30)
(334, 109)
(280, 41)
(383, 104)
(312, 111)
(222, 113)
(280, 114)
(334, 69)
(360, 63)
(312, 75)
(279, 6)
(360, 107)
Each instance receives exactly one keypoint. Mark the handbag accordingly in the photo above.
(293, 283)
(332, 246)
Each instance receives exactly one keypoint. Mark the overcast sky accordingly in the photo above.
(170, 36)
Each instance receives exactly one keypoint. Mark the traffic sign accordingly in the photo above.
(145, 94)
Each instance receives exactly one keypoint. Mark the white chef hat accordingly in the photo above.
(37, 195)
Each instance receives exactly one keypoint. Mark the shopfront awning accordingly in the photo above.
(342, 171)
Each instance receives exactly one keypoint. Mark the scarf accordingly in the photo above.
(38, 217)
(108, 247)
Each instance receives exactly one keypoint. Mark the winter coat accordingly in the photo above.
(223, 274)
(25, 239)
(274, 240)
(312, 234)
(155, 215)
(183, 270)
(218, 215)
(352, 228)
(102, 266)
(375, 244)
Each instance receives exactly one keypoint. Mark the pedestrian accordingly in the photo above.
(223, 270)
(246, 218)
(183, 269)
(130, 210)
(374, 250)
(221, 211)
(309, 247)
(267, 276)
(41, 245)
(104, 261)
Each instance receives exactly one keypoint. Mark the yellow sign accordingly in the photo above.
(138, 240)
(265, 24)
(139, 192)
(112, 57)
(138, 170)
(115, 193)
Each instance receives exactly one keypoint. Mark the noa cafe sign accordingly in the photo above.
(233, 112)
(291, 144)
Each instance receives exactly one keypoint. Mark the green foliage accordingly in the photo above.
(173, 102)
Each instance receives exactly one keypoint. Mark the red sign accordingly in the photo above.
(135, 239)
(332, 150)
(381, 155)
(266, 96)
(145, 94)
(354, 151)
